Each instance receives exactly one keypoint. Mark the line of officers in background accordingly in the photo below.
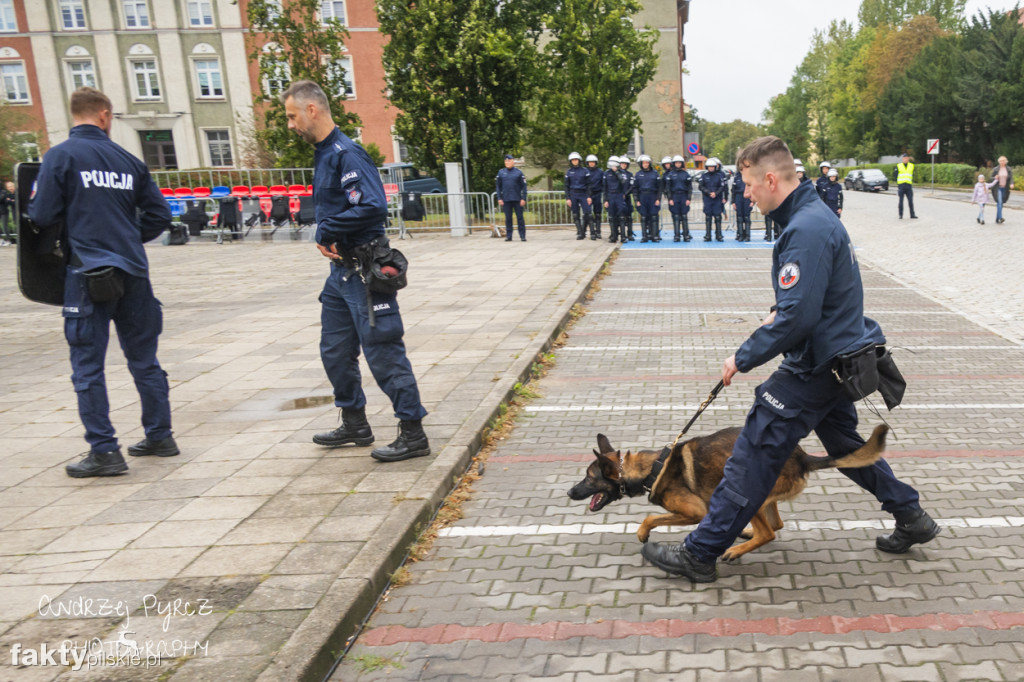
(588, 189)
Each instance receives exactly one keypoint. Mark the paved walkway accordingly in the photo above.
(253, 554)
(530, 586)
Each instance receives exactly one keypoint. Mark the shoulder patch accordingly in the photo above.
(349, 177)
(789, 275)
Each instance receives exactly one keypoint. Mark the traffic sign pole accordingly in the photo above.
(933, 148)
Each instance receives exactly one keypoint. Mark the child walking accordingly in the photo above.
(981, 196)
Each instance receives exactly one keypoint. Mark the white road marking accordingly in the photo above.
(746, 406)
(594, 528)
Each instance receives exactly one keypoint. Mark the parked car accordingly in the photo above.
(869, 179)
(410, 179)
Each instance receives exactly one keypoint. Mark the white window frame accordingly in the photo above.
(71, 63)
(285, 71)
(346, 64)
(76, 7)
(332, 13)
(136, 95)
(135, 4)
(199, 5)
(24, 81)
(8, 17)
(208, 147)
(199, 81)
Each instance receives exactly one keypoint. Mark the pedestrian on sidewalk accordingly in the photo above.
(818, 314)
(110, 207)
(904, 173)
(980, 196)
(8, 219)
(351, 209)
(510, 186)
(1003, 179)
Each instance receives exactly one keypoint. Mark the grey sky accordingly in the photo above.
(741, 53)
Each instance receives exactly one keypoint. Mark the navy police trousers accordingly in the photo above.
(138, 320)
(787, 408)
(345, 327)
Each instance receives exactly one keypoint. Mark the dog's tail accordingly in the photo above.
(864, 456)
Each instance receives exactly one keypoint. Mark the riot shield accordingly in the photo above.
(42, 251)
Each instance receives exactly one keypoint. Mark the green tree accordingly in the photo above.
(299, 47)
(724, 140)
(14, 146)
(591, 71)
(451, 60)
(786, 115)
(895, 13)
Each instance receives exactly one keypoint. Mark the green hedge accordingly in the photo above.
(957, 174)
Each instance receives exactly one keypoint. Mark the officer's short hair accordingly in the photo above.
(769, 153)
(87, 102)
(304, 92)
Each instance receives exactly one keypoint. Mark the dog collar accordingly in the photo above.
(634, 488)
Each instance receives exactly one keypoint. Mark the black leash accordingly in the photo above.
(703, 406)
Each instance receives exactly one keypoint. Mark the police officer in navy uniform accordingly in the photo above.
(666, 166)
(351, 210)
(715, 191)
(832, 193)
(110, 206)
(741, 206)
(595, 189)
(510, 186)
(822, 182)
(678, 186)
(647, 196)
(626, 226)
(614, 188)
(577, 197)
(818, 314)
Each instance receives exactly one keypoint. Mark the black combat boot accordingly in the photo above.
(613, 230)
(678, 560)
(645, 229)
(707, 230)
(675, 228)
(912, 530)
(109, 463)
(354, 430)
(595, 227)
(718, 229)
(686, 228)
(581, 231)
(656, 228)
(411, 442)
(159, 448)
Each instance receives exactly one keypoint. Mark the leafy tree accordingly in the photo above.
(724, 140)
(894, 49)
(787, 117)
(948, 13)
(306, 49)
(591, 71)
(459, 59)
(12, 143)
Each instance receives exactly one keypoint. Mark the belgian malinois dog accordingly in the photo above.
(690, 471)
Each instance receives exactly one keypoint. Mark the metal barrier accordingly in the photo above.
(412, 212)
(542, 209)
(227, 177)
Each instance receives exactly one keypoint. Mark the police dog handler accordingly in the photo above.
(818, 314)
(350, 212)
(110, 206)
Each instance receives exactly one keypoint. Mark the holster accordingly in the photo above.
(104, 284)
(869, 369)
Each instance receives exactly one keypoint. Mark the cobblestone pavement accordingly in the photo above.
(254, 553)
(531, 586)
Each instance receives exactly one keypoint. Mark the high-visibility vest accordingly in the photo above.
(905, 173)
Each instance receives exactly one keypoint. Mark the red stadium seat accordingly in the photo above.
(260, 191)
(278, 190)
(240, 191)
(183, 192)
(201, 192)
(167, 191)
(296, 190)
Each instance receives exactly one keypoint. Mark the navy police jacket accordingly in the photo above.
(577, 181)
(595, 182)
(647, 182)
(351, 206)
(821, 184)
(677, 181)
(510, 185)
(713, 182)
(739, 188)
(832, 194)
(614, 184)
(819, 298)
(629, 187)
(106, 198)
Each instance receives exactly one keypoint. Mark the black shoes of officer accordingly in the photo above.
(98, 464)
(411, 442)
(913, 217)
(154, 448)
(915, 530)
(354, 430)
(678, 560)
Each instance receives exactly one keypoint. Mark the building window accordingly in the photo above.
(332, 9)
(274, 9)
(15, 83)
(72, 14)
(200, 13)
(343, 68)
(8, 21)
(208, 76)
(278, 77)
(136, 14)
(82, 74)
(147, 80)
(219, 142)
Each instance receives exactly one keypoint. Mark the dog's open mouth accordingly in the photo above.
(597, 501)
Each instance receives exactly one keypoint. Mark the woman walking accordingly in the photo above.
(1002, 178)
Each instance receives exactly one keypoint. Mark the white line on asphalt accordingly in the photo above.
(602, 349)
(755, 312)
(593, 528)
(746, 406)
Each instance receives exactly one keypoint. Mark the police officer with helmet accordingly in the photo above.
(818, 315)
(595, 187)
(822, 182)
(615, 188)
(351, 209)
(110, 207)
(715, 190)
(741, 206)
(832, 193)
(577, 197)
(666, 166)
(627, 225)
(678, 185)
(647, 189)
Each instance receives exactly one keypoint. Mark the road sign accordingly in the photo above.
(933, 146)
(693, 148)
